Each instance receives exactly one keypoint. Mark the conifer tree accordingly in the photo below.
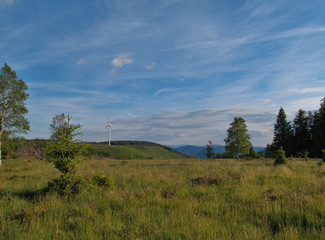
(317, 130)
(280, 157)
(66, 153)
(282, 133)
(301, 133)
(322, 123)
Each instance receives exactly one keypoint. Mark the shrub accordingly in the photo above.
(323, 155)
(102, 180)
(124, 162)
(280, 157)
(69, 185)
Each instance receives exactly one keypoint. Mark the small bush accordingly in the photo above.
(306, 156)
(69, 185)
(280, 157)
(323, 155)
(205, 180)
(124, 162)
(102, 180)
(167, 194)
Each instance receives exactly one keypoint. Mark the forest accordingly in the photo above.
(304, 136)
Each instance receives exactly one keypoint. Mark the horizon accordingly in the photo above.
(171, 72)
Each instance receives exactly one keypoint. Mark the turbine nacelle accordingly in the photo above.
(109, 127)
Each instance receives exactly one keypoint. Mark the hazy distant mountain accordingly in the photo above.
(199, 151)
(258, 149)
(189, 149)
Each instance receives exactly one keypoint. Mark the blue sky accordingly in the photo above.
(173, 72)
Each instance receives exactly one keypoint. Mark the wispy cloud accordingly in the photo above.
(7, 2)
(164, 90)
(224, 55)
(310, 90)
(267, 101)
(151, 66)
(200, 126)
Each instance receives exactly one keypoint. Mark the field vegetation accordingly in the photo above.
(167, 199)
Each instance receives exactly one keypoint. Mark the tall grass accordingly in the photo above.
(168, 199)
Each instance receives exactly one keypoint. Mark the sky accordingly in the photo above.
(173, 72)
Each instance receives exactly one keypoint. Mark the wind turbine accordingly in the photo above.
(109, 127)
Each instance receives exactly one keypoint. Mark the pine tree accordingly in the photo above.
(280, 157)
(301, 133)
(282, 133)
(318, 131)
(312, 148)
(322, 123)
(66, 153)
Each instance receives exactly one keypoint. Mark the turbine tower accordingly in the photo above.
(109, 127)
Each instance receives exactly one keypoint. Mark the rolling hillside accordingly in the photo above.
(133, 150)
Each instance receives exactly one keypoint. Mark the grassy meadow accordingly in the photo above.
(167, 199)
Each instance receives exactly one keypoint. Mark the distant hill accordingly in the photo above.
(117, 150)
(133, 150)
(199, 151)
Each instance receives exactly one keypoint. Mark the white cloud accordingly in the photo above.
(122, 59)
(267, 101)
(80, 61)
(153, 64)
(6, 2)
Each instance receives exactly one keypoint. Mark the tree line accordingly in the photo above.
(305, 135)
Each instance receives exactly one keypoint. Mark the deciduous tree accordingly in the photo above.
(237, 142)
(12, 103)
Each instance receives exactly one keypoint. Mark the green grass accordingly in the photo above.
(168, 199)
(153, 151)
